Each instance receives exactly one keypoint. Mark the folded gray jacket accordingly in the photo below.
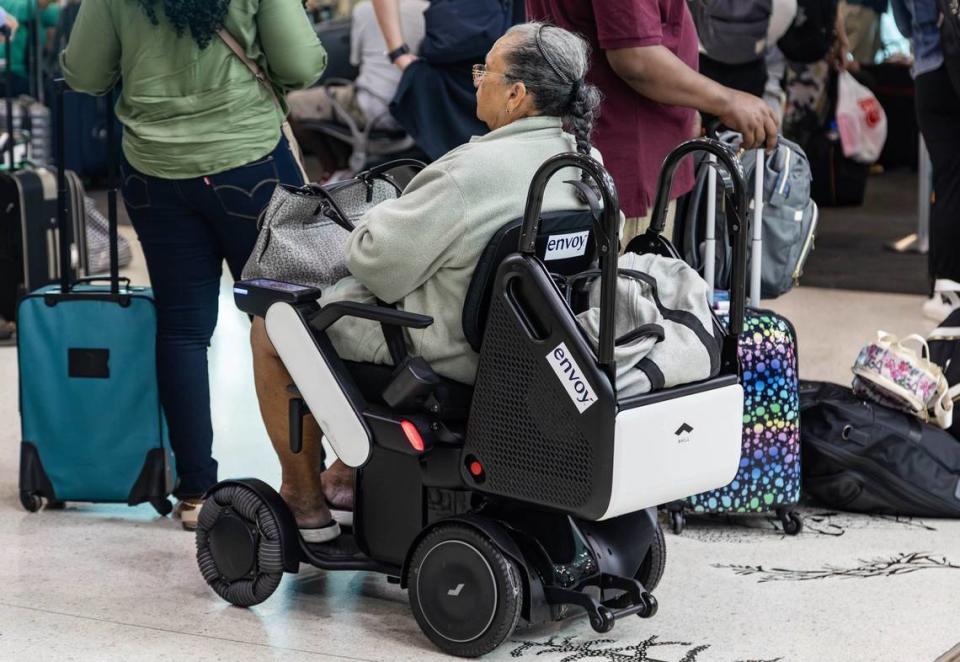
(665, 331)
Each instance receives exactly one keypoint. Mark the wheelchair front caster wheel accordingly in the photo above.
(650, 604)
(464, 592)
(162, 506)
(30, 501)
(602, 621)
(678, 521)
(238, 546)
(791, 521)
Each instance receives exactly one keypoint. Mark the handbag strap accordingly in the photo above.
(885, 339)
(338, 215)
(254, 68)
(942, 406)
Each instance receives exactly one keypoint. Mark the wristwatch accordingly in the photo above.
(403, 49)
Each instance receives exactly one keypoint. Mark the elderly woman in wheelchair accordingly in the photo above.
(489, 464)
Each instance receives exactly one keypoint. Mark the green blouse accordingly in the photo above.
(189, 112)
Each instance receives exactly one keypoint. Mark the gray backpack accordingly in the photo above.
(789, 220)
(732, 31)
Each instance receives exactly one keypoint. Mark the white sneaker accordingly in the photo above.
(945, 299)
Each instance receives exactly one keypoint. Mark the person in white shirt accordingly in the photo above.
(367, 99)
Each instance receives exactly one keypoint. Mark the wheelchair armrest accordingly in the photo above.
(330, 313)
(256, 295)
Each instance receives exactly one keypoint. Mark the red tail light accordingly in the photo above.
(413, 435)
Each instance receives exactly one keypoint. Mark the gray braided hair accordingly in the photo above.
(552, 63)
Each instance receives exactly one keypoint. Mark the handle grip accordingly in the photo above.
(607, 243)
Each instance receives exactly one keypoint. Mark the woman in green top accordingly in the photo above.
(203, 151)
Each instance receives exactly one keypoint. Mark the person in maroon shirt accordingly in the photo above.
(644, 61)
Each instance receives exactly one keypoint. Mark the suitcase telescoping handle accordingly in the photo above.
(63, 211)
(112, 196)
(738, 194)
(716, 130)
(756, 242)
(7, 34)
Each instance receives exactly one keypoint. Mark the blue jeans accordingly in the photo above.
(187, 228)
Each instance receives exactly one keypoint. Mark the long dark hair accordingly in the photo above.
(202, 18)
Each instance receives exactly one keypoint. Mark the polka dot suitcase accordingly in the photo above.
(768, 479)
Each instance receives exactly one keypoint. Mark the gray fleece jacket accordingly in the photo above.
(420, 250)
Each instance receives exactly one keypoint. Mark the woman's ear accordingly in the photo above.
(518, 93)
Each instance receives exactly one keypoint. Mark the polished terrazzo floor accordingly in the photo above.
(117, 583)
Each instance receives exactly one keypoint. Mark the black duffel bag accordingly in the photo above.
(861, 457)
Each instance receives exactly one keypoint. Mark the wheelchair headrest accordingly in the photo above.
(566, 244)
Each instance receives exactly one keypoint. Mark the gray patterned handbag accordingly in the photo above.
(304, 230)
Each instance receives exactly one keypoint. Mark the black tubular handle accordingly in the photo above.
(7, 33)
(62, 211)
(726, 156)
(326, 316)
(89, 280)
(112, 198)
(607, 244)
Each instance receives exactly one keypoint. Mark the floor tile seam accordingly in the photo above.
(178, 632)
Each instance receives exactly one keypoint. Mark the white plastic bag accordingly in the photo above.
(861, 120)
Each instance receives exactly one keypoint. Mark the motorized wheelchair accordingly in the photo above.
(555, 479)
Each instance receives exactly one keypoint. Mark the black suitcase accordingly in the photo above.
(29, 234)
(86, 116)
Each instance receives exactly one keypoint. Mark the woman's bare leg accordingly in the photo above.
(302, 486)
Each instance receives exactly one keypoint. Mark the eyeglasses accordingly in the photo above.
(480, 70)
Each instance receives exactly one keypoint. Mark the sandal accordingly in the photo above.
(188, 511)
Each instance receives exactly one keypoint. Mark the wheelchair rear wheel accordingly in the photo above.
(651, 570)
(464, 592)
(238, 546)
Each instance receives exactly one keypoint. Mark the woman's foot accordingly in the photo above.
(187, 511)
(338, 484)
(314, 519)
(309, 510)
(8, 333)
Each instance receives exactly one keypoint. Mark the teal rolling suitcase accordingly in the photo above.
(92, 425)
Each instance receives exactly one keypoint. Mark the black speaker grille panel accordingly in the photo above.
(522, 427)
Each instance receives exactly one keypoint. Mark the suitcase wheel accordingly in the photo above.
(791, 521)
(32, 502)
(162, 506)
(678, 520)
